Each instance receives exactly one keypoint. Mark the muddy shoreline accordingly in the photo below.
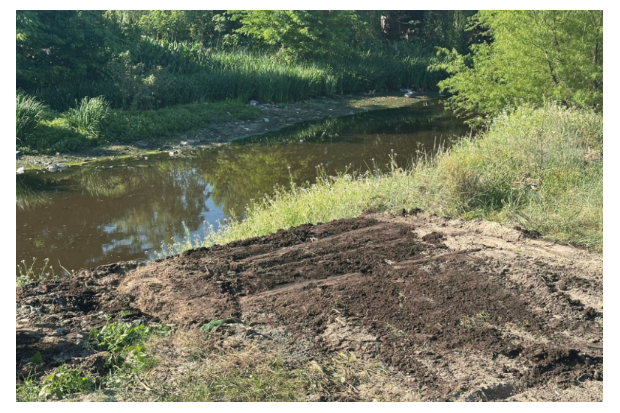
(452, 310)
(273, 117)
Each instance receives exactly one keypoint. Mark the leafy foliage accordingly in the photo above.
(121, 339)
(143, 60)
(300, 33)
(430, 28)
(53, 136)
(60, 45)
(202, 26)
(534, 56)
(129, 126)
(66, 381)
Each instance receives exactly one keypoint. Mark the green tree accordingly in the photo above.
(532, 56)
(54, 46)
(178, 25)
(203, 26)
(300, 33)
(446, 28)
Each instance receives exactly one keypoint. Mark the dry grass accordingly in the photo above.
(199, 366)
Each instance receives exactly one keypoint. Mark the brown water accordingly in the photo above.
(122, 210)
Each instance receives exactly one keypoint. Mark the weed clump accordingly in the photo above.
(120, 340)
(66, 381)
(89, 116)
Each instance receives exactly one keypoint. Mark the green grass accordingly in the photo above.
(53, 136)
(28, 113)
(78, 128)
(28, 391)
(129, 126)
(529, 169)
(91, 124)
(89, 116)
(255, 380)
(253, 372)
(157, 74)
(264, 377)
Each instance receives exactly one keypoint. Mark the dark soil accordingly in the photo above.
(465, 311)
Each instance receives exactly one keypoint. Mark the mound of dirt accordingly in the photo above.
(465, 311)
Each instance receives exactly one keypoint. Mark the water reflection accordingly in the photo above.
(30, 192)
(96, 215)
(118, 210)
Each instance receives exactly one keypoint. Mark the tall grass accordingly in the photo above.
(158, 74)
(89, 117)
(28, 113)
(531, 168)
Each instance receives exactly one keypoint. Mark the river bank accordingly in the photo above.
(283, 308)
(272, 117)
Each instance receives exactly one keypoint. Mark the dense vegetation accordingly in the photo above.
(149, 73)
(148, 60)
(533, 56)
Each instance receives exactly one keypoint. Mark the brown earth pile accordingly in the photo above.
(461, 311)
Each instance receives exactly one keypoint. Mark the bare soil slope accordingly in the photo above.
(460, 311)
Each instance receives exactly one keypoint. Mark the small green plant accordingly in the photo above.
(124, 313)
(66, 381)
(28, 391)
(89, 117)
(123, 339)
(31, 273)
(29, 112)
